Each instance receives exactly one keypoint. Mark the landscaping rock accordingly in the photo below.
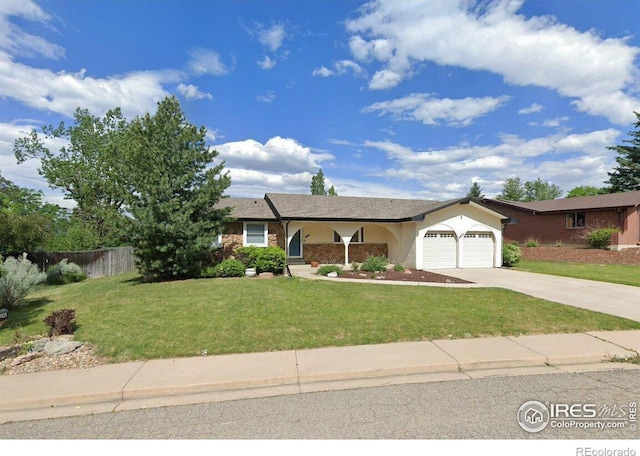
(61, 347)
(265, 275)
(25, 358)
(38, 345)
(332, 274)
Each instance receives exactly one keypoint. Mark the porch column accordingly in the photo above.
(346, 242)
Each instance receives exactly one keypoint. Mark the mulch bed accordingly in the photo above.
(409, 275)
(578, 255)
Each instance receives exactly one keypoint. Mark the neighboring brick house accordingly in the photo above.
(565, 221)
(337, 229)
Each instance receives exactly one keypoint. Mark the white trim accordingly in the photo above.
(265, 226)
(217, 244)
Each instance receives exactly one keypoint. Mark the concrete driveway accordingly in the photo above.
(609, 298)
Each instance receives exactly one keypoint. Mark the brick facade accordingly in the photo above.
(552, 228)
(334, 253)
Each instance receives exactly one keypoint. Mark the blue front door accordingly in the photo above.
(295, 246)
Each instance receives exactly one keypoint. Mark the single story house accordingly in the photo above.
(420, 234)
(565, 221)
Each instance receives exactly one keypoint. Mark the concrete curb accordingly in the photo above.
(227, 377)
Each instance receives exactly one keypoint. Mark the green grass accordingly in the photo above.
(129, 320)
(624, 274)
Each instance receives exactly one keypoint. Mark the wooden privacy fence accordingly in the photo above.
(94, 263)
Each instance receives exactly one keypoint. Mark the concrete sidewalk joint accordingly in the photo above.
(226, 377)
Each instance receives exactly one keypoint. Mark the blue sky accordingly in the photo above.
(398, 98)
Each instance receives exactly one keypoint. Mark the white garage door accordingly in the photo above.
(439, 250)
(477, 250)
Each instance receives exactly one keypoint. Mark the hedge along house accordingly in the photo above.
(565, 221)
(420, 234)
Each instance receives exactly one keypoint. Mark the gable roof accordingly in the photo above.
(319, 207)
(607, 201)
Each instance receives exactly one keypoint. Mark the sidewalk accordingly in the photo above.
(168, 382)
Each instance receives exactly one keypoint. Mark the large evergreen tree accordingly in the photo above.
(626, 176)
(475, 192)
(173, 187)
(317, 184)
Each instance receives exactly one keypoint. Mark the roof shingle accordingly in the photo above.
(610, 200)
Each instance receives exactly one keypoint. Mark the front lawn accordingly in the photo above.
(625, 274)
(129, 320)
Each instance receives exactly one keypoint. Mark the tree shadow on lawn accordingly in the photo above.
(25, 315)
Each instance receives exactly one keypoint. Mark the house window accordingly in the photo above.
(255, 234)
(576, 220)
(357, 238)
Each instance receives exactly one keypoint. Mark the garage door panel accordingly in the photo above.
(478, 250)
(440, 250)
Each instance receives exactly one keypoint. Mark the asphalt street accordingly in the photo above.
(481, 408)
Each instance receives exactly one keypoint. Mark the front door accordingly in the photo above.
(295, 246)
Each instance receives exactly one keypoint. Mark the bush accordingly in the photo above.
(270, 259)
(61, 322)
(18, 279)
(247, 255)
(355, 266)
(374, 264)
(226, 268)
(65, 272)
(599, 238)
(531, 243)
(324, 270)
(511, 254)
(398, 268)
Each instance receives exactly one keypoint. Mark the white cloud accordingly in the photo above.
(206, 61)
(267, 63)
(568, 160)
(63, 92)
(425, 108)
(278, 154)
(556, 122)
(267, 98)
(323, 72)
(191, 92)
(272, 37)
(535, 107)
(598, 73)
(385, 79)
(339, 68)
(15, 40)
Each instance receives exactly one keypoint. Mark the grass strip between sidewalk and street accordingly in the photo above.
(130, 320)
(624, 274)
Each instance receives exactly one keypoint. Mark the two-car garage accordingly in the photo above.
(445, 250)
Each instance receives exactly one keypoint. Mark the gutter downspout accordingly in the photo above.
(286, 250)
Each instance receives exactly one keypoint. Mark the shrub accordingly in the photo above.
(599, 238)
(511, 254)
(18, 279)
(270, 259)
(324, 270)
(61, 322)
(355, 266)
(531, 243)
(374, 264)
(398, 268)
(65, 272)
(247, 255)
(226, 268)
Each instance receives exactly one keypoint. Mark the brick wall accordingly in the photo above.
(334, 253)
(551, 228)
